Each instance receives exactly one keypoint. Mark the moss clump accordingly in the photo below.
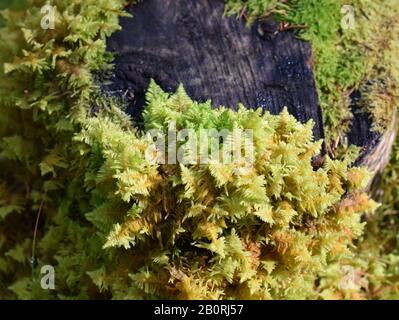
(224, 230)
(362, 59)
(373, 272)
(46, 90)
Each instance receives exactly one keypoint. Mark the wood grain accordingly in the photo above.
(220, 58)
(215, 57)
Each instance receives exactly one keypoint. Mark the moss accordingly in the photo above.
(345, 60)
(46, 90)
(226, 231)
(116, 225)
(365, 60)
(252, 9)
(379, 29)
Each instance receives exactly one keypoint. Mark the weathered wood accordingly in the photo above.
(376, 147)
(215, 57)
(220, 58)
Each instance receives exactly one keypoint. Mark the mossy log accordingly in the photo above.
(221, 58)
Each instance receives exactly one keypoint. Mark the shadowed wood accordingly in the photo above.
(376, 147)
(220, 58)
(215, 57)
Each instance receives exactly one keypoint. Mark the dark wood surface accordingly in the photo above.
(220, 58)
(215, 57)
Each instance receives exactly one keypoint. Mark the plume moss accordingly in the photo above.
(115, 225)
(359, 58)
(362, 59)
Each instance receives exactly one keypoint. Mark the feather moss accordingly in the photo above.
(116, 225)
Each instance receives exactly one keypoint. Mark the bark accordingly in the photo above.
(220, 58)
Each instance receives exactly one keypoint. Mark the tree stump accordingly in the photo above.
(220, 58)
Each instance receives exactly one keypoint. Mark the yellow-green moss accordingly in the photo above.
(345, 59)
(189, 231)
(363, 59)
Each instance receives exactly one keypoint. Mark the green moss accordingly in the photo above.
(230, 230)
(46, 90)
(338, 68)
(344, 59)
(116, 225)
(363, 59)
(252, 9)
